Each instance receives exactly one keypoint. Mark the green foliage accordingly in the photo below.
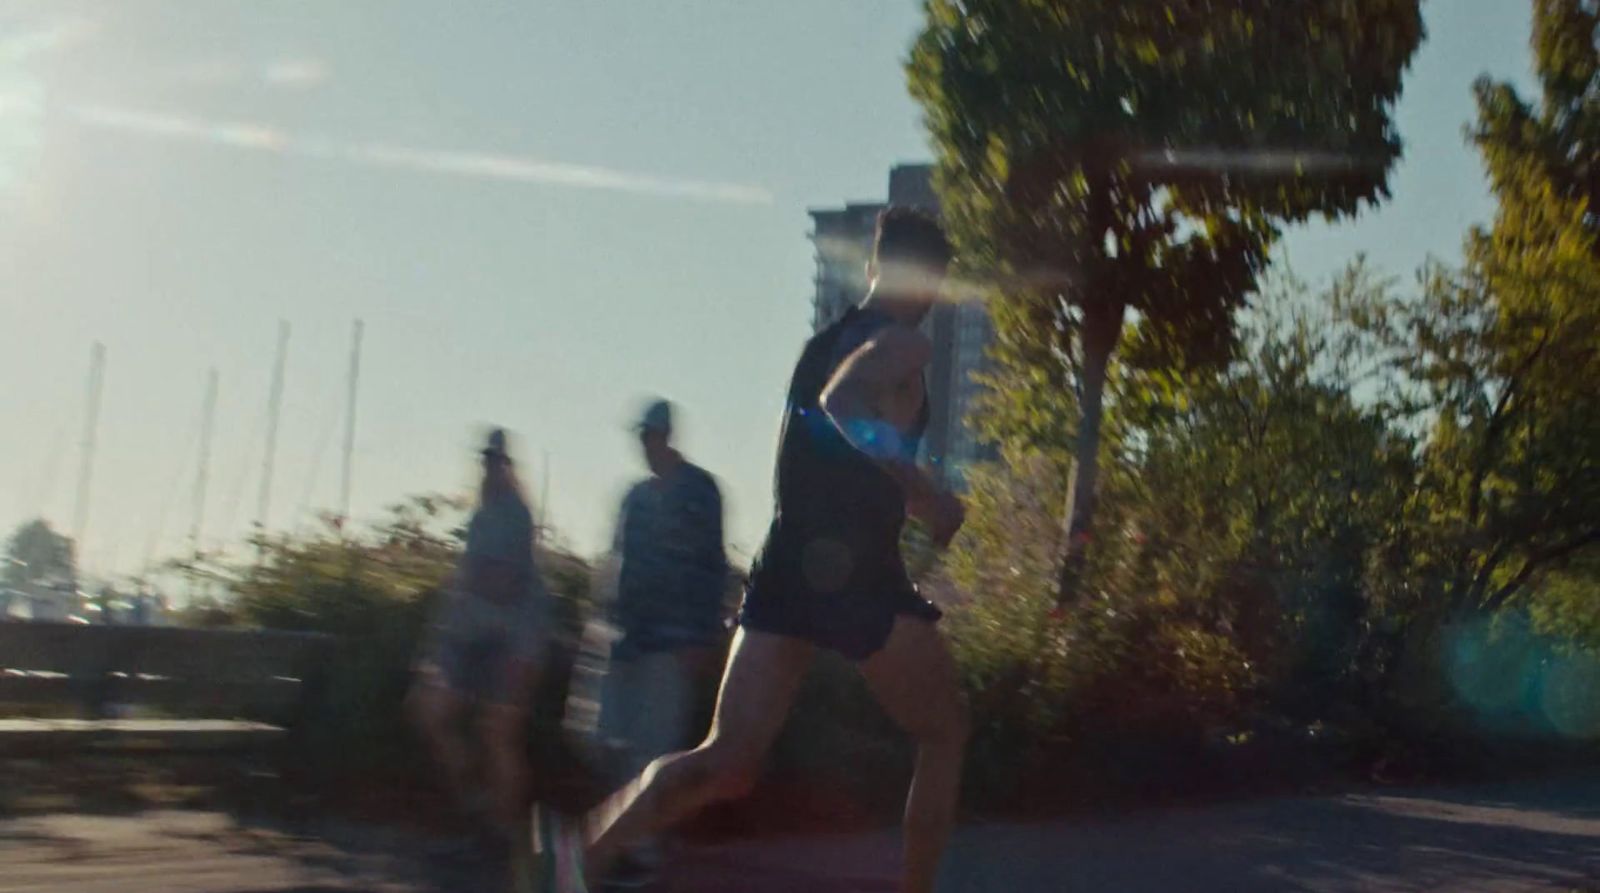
(1042, 111)
(1303, 532)
(375, 590)
(1243, 512)
(1497, 362)
(1567, 605)
(1506, 488)
(1263, 497)
(1061, 702)
(1541, 259)
(37, 553)
(1103, 156)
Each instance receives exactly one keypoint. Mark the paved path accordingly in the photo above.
(1535, 836)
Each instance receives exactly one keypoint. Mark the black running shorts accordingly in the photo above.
(825, 593)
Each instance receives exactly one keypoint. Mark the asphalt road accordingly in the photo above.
(1528, 836)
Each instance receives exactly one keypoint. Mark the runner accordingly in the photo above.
(485, 652)
(830, 575)
(669, 611)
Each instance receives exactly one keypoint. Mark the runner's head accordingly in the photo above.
(910, 255)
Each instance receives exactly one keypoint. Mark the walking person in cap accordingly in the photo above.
(485, 652)
(668, 611)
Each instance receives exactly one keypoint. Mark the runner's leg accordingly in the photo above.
(764, 671)
(438, 712)
(914, 679)
(503, 726)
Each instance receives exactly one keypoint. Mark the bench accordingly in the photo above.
(147, 687)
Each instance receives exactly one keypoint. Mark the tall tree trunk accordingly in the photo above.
(1102, 329)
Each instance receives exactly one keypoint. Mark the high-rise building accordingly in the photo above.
(960, 329)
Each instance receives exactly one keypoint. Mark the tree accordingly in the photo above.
(1264, 496)
(1534, 477)
(1244, 508)
(1541, 257)
(37, 552)
(1106, 157)
(1499, 360)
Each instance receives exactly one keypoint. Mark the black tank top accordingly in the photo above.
(823, 485)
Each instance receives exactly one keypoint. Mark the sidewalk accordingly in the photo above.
(1528, 836)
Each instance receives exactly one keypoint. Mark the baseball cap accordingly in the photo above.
(657, 416)
(495, 445)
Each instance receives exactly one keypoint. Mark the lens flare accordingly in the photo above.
(483, 165)
(1491, 668)
(1521, 682)
(1570, 696)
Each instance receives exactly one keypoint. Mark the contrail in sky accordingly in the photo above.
(485, 165)
(22, 45)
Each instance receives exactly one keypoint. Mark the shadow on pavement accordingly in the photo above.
(1474, 840)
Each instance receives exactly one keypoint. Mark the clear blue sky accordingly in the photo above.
(543, 212)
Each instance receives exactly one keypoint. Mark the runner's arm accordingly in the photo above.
(852, 400)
